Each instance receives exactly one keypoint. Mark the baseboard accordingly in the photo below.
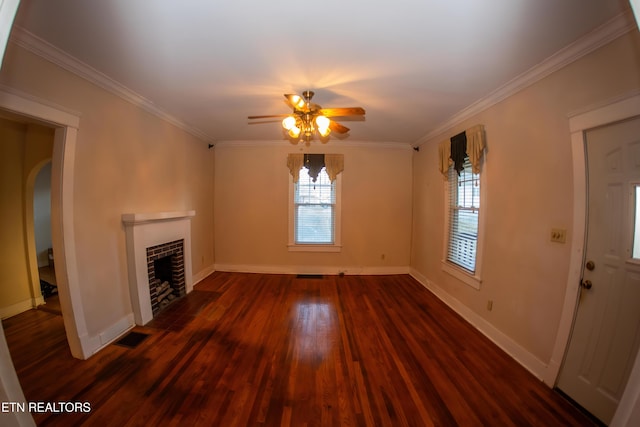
(300, 269)
(37, 301)
(508, 345)
(93, 344)
(18, 308)
(203, 274)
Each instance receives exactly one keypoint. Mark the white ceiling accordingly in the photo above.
(412, 64)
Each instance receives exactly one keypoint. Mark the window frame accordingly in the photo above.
(472, 279)
(336, 246)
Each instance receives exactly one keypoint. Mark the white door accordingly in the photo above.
(606, 330)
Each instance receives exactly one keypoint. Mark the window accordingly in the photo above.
(314, 209)
(314, 213)
(462, 231)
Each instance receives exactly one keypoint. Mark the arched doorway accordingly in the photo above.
(62, 232)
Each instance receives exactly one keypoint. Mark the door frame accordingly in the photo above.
(614, 110)
(66, 125)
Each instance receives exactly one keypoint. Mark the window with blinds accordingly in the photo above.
(314, 209)
(464, 205)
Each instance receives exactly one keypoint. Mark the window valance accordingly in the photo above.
(334, 164)
(470, 143)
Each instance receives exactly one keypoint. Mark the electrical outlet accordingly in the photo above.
(559, 235)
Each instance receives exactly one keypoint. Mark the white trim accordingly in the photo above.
(635, 5)
(312, 269)
(606, 33)
(516, 351)
(138, 218)
(49, 52)
(10, 388)
(43, 110)
(17, 308)
(115, 331)
(203, 274)
(112, 333)
(8, 10)
(64, 242)
(313, 248)
(281, 143)
(472, 280)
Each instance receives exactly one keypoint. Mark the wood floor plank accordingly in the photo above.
(277, 350)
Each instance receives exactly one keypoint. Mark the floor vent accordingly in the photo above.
(310, 276)
(132, 339)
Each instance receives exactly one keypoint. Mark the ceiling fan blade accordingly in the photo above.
(335, 112)
(267, 116)
(337, 127)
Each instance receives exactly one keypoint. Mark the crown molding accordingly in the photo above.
(602, 35)
(314, 144)
(49, 52)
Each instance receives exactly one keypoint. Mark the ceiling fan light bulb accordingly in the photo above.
(322, 122)
(289, 122)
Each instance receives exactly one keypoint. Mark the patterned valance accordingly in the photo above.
(334, 164)
(470, 143)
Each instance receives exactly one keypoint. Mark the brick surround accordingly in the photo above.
(176, 252)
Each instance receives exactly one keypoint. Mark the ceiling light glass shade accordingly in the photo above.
(322, 122)
(323, 125)
(297, 101)
(324, 131)
(294, 132)
(289, 122)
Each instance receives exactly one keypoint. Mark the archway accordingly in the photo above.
(66, 127)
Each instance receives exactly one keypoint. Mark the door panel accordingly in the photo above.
(606, 330)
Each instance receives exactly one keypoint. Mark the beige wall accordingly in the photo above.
(14, 278)
(126, 161)
(252, 190)
(23, 150)
(529, 190)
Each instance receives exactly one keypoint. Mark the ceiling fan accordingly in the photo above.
(308, 117)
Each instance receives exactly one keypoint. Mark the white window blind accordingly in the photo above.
(314, 209)
(464, 205)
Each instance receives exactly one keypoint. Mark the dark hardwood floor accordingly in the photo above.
(276, 350)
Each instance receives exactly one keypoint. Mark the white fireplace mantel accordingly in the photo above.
(144, 230)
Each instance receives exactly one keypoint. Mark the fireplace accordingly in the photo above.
(165, 266)
(158, 259)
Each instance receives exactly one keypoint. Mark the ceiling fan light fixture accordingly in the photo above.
(308, 118)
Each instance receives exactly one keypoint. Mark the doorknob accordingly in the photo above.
(590, 265)
(586, 284)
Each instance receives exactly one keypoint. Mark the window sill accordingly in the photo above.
(462, 275)
(314, 248)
